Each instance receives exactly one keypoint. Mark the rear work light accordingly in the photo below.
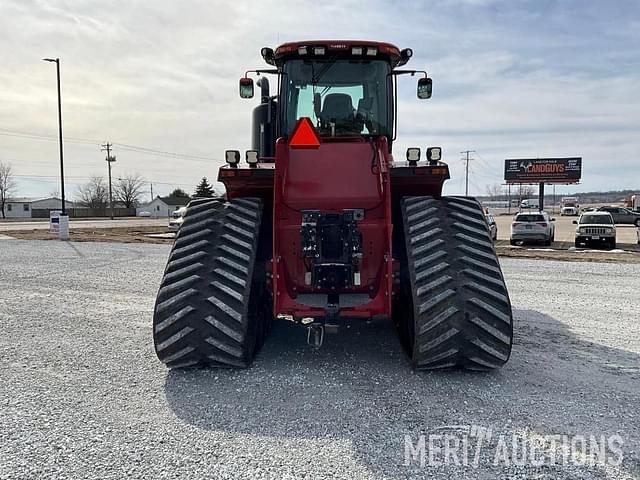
(302, 50)
(372, 51)
(251, 156)
(356, 50)
(232, 157)
(413, 155)
(318, 50)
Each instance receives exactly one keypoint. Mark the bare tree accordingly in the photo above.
(129, 189)
(528, 191)
(495, 191)
(94, 193)
(7, 184)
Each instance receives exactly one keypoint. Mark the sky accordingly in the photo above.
(512, 79)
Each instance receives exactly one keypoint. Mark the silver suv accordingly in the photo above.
(533, 227)
(596, 228)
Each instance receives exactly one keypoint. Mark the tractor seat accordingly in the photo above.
(337, 108)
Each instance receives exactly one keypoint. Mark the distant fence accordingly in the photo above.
(86, 212)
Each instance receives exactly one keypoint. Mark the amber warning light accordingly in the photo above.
(304, 135)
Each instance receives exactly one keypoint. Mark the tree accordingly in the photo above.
(129, 189)
(204, 189)
(527, 191)
(179, 193)
(94, 193)
(7, 184)
(495, 191)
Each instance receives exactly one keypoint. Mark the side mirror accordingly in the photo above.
(553, 219)
(425, 88)
(246, 87)
(575, 222)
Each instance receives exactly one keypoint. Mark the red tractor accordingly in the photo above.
(321, 226)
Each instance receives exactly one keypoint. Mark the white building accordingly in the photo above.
(18, 207)
(162, 207)
(23, 207)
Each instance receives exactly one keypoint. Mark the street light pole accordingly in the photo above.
(57, 62)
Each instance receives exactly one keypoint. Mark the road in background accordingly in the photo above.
(81, 223)
(83, 395)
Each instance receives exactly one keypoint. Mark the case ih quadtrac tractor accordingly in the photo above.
(322, 226)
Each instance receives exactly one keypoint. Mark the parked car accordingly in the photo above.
(529, 203)
(596, 228)
(177, 218)
(533, 227)
(493, 227)
(638, 233)
(144, 214)
(570, 211)
(622, 215)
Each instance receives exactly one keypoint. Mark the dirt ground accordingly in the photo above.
(133, 234)
(140, 234)
(580, 255)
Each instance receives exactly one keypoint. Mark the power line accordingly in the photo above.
(483, 162)
(151, 151)
(46, 177)
(122, 146)
(35, 136)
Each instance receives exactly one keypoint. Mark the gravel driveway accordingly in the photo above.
(82, 394)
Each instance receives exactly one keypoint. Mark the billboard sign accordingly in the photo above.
(547, 170)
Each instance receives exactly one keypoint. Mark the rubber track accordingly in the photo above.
(202, 312)
(461, 309)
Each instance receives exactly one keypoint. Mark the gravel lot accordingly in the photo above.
(83, 396)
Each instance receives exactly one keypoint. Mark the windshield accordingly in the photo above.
(341, 97)
(530, 218)
(597, 219)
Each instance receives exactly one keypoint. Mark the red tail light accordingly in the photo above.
(543, 224)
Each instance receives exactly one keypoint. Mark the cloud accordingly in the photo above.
(511, 79)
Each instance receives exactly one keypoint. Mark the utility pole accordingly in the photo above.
(151, 183)
(107, 147)
(466, 188)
